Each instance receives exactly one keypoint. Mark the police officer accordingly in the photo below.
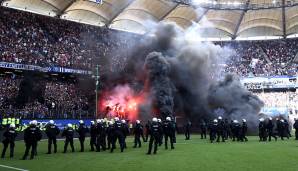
(203, 127)
(169, 131)
(32, 135)
(270, 130)
(138, 131)
(220, 129)
(9, 139)
(82, 130)
(118, 135)
(279, 128)
(162, 131)
(52, 131)
(147, 130)
(227, 130)
(101, 135)
(93, 134)
(187, 127)
(262, 130)
(287, 129)
(125, 131)
(282, 129)
(213, 130)
(154, 131)
(68, 133)
(296, 128)
(110, 134)
(236, 128)
(243, 131)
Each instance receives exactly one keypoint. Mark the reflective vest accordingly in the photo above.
(8, 121)
(24, 127)
(4, 121)
(17, 121)
(13, 120)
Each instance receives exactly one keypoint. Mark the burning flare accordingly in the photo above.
(122, 101)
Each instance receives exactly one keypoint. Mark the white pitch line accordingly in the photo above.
(14, 168)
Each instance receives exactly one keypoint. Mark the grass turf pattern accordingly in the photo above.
(191, 155)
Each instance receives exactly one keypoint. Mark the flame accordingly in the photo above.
(122, 102)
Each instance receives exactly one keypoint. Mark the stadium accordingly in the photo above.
(148, 85)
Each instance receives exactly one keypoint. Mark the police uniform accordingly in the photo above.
(243, 131)
(212, 130)
(154, 131)
(68, 134)
(32, 135)
(270, 130)
(118, 135)
(52, 131)
(187, 127)
(110, 134)
(101, 137)
(220, 130)
(147, 131)
(82, 130)
(9, 139)
(169, 131)
(93, 134)
(138, 131)
(125, 130)
(262, 131)
(203, 128)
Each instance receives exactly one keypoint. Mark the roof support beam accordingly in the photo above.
(284, 29)
(163, 17)
(118, 13)
(63, 10)
(240, 20)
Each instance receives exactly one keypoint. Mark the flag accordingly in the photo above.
(99, 1)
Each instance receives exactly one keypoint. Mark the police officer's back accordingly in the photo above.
(138, 132)
(169, 131)
(9, 138)
(68, 133)
(155, 132)
(32, 135)
(93, 134)
(52, 131)
(82, 130)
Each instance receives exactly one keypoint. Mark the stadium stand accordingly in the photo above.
(59, 99)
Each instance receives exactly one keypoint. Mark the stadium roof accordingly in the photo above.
(218, 19)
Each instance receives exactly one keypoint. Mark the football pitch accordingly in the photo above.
(191, 155)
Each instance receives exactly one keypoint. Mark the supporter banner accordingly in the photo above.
(42, 69)
(275, 111)
(270, 82)
(59, 122)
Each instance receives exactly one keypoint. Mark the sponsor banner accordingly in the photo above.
(61, 123)
(43, 69)
(270, 82)
(275, 111)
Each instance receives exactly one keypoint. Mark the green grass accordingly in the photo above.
(195, 154)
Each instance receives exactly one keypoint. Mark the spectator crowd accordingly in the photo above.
(61, 99)
(39, 40)
(44, 41)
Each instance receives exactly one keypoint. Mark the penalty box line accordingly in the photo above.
(12, 168)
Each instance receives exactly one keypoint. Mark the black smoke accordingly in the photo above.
(183, 77)
(161, 88)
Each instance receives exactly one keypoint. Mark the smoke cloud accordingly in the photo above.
(184, 77)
